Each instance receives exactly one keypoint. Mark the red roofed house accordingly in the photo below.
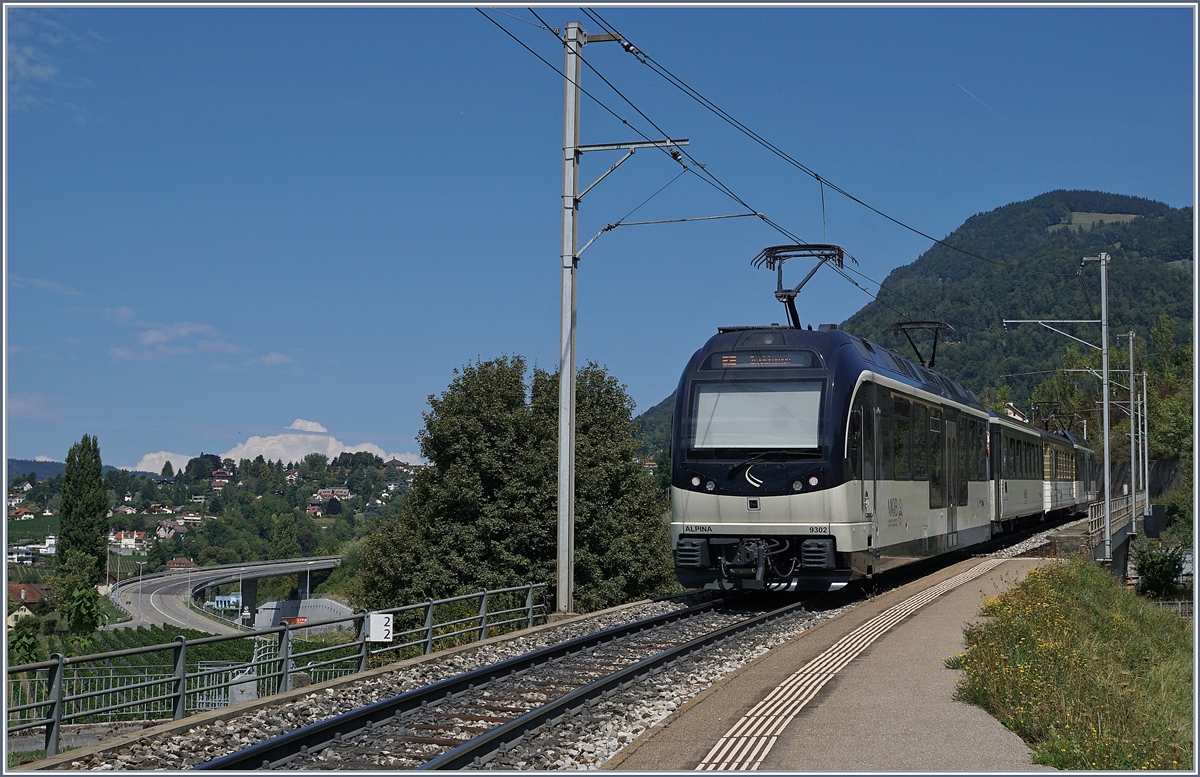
(26, 593)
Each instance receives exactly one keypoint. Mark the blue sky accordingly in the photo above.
(277, 229)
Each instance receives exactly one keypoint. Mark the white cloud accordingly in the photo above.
(219, 346)
(44, 285)
(301, 425)
(122, 314)
(35, 406)
(294, 447)
(165, 334)
(289, 446)
(44, 458)
(272, 358)
(153, 462)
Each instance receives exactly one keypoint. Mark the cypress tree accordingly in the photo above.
(83, 521)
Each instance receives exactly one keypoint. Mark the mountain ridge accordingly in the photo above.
(1026, 265)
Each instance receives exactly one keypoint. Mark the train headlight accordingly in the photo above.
(710, 485)
(797, 485)
(812, 481)
(696, 481)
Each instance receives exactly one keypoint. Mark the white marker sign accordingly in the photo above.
(379, 628)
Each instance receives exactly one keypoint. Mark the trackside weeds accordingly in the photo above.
(1090, 675)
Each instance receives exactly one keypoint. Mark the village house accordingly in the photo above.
(22, 514)
(15, 498)
(20, 554)
(165, 530)
(189, 517)
(26, 593)
(17, 615)
(181, 565)
(128, 542)
(325, 494)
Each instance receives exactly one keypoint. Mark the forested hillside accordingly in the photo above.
(1030, 268)
(1036, 247)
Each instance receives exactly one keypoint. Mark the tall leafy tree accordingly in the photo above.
(73, 593)
(484, 514)
(83, 525)
(168, 471)
(284, 541)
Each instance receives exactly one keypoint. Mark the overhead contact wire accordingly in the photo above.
(715, 182)
(678, 83)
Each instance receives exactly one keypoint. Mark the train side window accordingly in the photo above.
(936, 492)
(901, 438)
(920, 427)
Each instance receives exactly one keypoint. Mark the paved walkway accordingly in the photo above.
(867, 691)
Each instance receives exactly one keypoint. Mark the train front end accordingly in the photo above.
(759, 493)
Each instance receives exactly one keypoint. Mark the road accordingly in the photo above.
(162, 600)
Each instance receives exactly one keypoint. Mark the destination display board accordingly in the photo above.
(733, 360)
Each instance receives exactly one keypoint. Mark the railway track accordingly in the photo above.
(488, 717)
(462, 720)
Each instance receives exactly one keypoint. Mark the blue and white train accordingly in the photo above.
(804, 459)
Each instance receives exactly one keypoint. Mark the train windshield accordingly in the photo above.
(750, 415)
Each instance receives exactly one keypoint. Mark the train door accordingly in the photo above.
(864, 437)
(995, 443)
(953, 464)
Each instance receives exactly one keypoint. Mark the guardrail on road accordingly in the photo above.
(50, 693)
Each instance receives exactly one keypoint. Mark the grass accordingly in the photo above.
(36, 528)
(19, 757)
(1089, 220)
(1090, 675)
(110, 612)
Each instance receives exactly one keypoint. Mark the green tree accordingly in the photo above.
(484, 514)
(83, 526)
(168, 471)
(73, 594)
(1159, 567)
(284, 542)
(24, 647)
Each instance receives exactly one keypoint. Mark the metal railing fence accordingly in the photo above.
(1183, 609)
(1122, 513)
(105, 686)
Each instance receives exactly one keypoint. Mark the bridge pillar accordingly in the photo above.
(250, 597)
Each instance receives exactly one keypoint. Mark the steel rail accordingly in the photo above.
(474, 750)
(317, 736)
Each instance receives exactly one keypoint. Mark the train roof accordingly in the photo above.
(1058, 436)
(828, 338)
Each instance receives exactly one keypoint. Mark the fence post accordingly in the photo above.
(54, 724)
(364, 647)
(180, 701)
(428, 626)
(529, 606)
(483, 613)
(285, 659)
